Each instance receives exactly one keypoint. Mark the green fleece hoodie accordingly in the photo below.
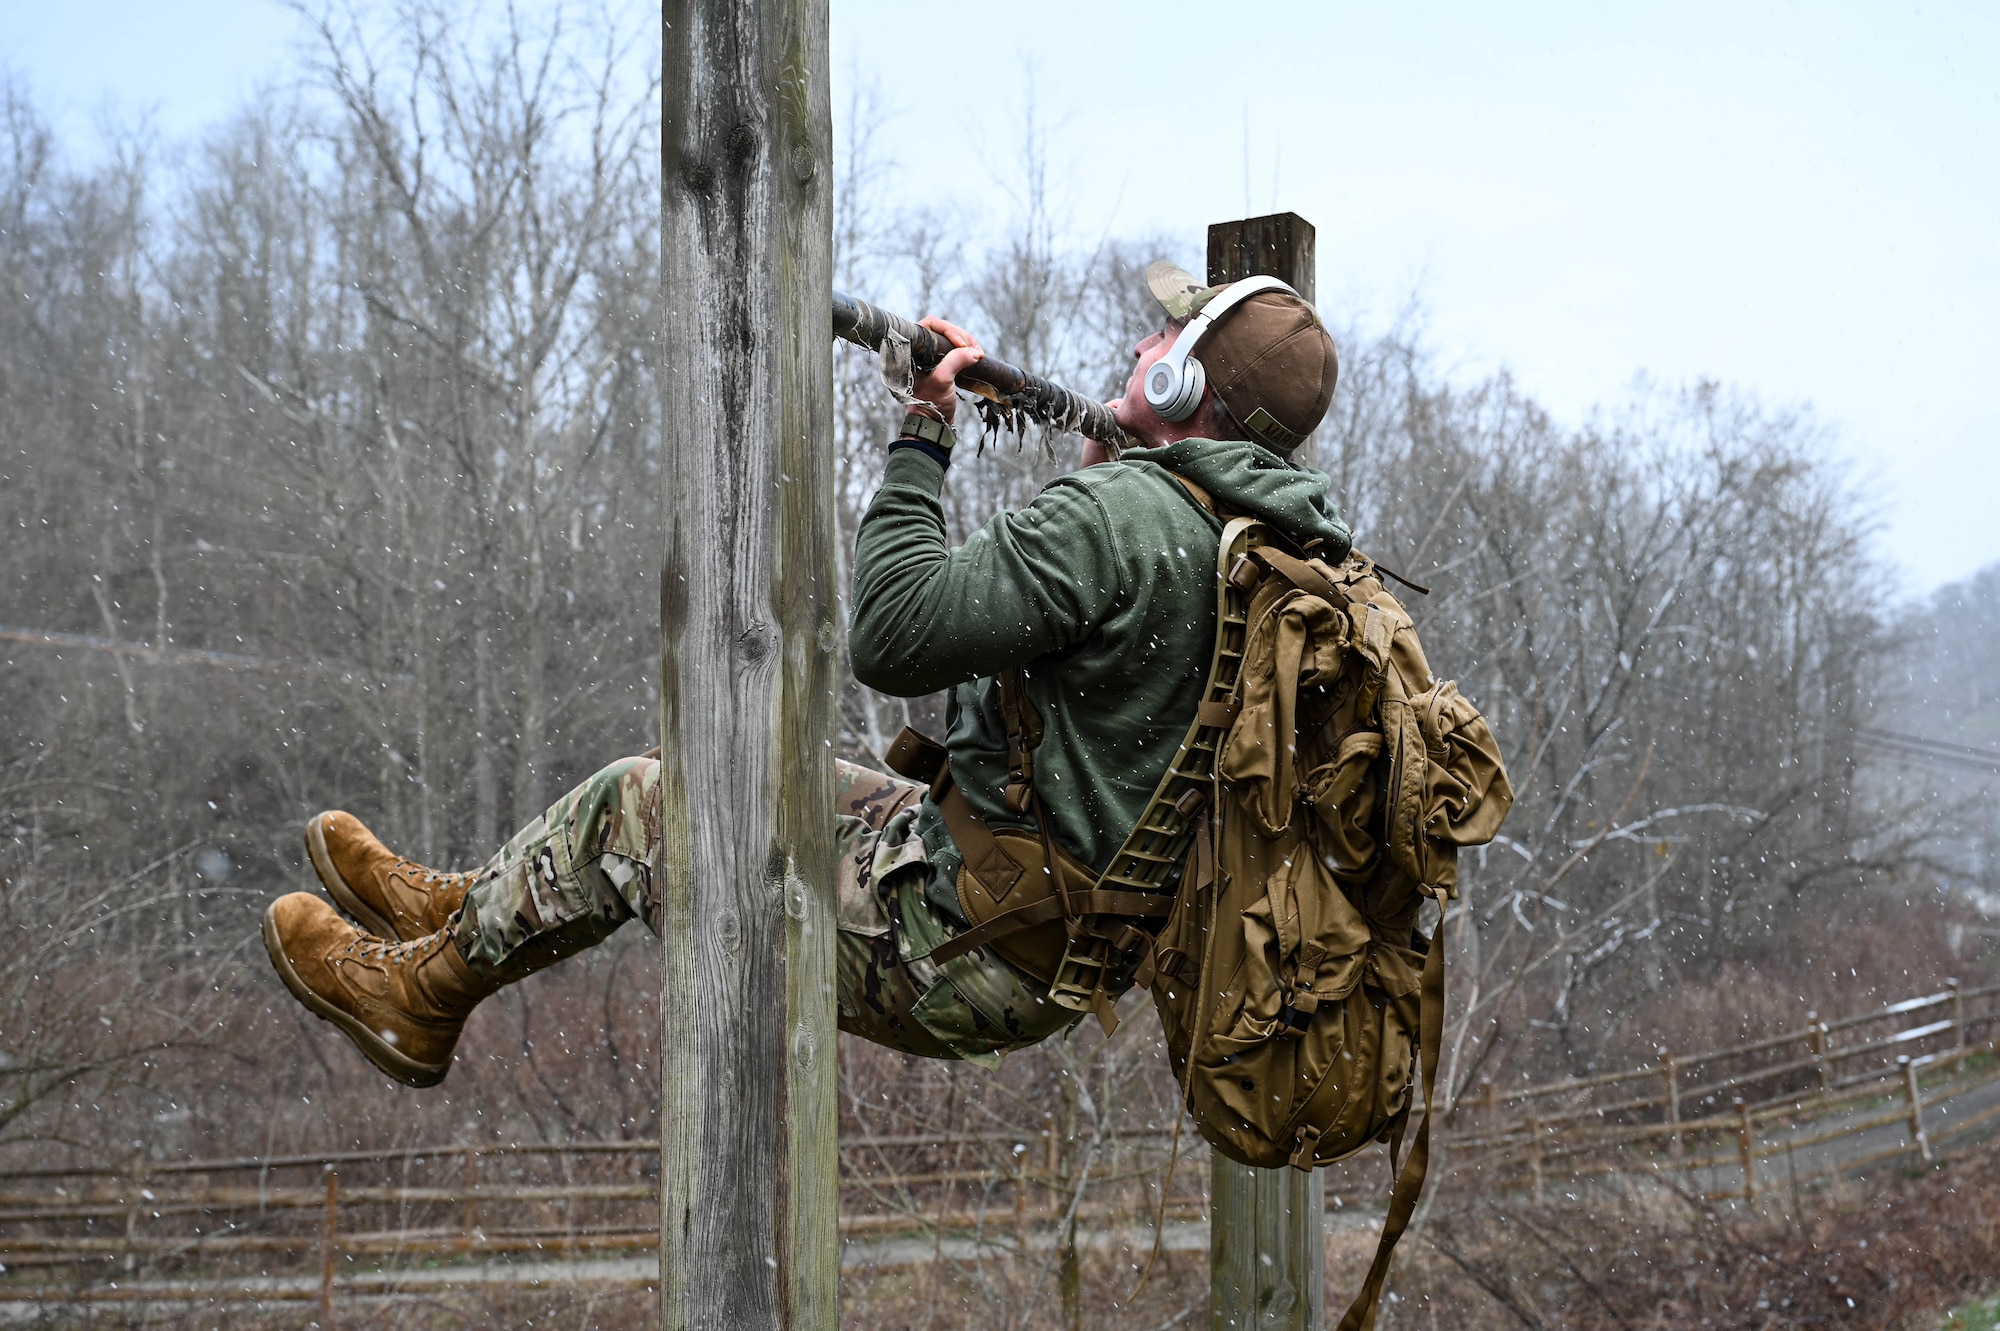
(1102, 591)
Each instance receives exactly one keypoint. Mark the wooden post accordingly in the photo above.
(1267, 1253)
(744, 876)
(1266, 1227)
(1535, 1154)
(1911, 1092)
(135, 1198)
(1667, 1070)
(1023, 1230)
(1957, 1024)
(1051, 1173)
(329, 1240)
(1280, 244)
(1818, 1033)
(1746, 1150)
(468, 1207)
(1069, 1269)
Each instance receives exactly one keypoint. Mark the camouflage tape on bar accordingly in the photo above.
(1033, 396)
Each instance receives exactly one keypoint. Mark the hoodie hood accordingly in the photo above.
(1252, 479)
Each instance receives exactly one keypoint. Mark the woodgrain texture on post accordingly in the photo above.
(1266, 1227)
(1280, 244)
(1267, 1248)
(747, 607)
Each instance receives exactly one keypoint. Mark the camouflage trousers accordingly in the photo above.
(576, 874)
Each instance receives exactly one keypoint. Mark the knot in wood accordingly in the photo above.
(757, 641)
(742, 140)
(729, 931)
(697, 177)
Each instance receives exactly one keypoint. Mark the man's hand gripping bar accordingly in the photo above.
(1009, 387)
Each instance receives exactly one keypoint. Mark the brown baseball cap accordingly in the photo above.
(1269, 359)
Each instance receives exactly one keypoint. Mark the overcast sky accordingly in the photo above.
(1797, 199)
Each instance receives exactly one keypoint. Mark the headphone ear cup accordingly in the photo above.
(1172, 396)
(1187, 394)
(1163, 384)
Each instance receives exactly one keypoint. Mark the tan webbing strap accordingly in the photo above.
(1386, 572)
(1101, 901)
(989, 862)
(1196, 492)
(1360, 1315)
(1016, 710)
(1007, 922)
(1024, 733)
(1301, 574)
(1058, 879)
(1202, 858)
(1091, 901)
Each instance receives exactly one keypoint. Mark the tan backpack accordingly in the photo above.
(1321, 793)
(1296, 991)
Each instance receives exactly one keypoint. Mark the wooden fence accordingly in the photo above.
(1707, 1122)
(345, 1215)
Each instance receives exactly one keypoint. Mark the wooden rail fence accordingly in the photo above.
(1708, 1122)
(342, 1212)
(1709, 1113)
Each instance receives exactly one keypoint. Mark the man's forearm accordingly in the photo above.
(925, 616)
(897, 553)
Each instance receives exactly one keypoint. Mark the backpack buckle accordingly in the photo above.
(1297, 1008)
(1304, 1149)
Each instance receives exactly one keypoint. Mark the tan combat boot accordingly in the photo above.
(402, 1004)
(387, 895)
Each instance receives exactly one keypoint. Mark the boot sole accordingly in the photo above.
(344, 896)
(372, 1046)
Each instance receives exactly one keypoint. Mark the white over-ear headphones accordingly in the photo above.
(1175, 382)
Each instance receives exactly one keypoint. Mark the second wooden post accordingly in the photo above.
(1266, 1227)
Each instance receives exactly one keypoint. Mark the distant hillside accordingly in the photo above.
(1949, 691)
(1952, 689)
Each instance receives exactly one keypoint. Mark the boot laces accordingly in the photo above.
(392, 951)
(415, 873)
(412, 952)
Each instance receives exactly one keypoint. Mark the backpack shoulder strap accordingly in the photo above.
(1024, 735)
(1195, 492)
(1159, 841)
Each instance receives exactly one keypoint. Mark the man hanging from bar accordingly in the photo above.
(1074, 638)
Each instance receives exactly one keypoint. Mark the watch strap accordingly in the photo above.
(929, 429)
